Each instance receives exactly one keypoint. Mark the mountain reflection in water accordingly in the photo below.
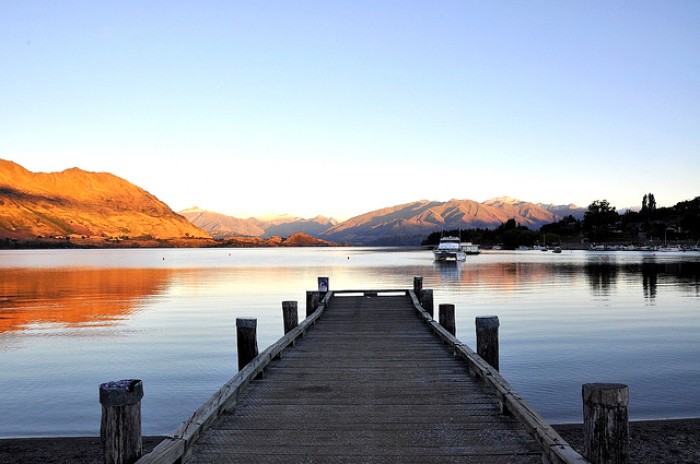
(75, 297)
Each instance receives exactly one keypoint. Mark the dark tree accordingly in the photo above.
(599, 219)
(652, 203)
(567, 228)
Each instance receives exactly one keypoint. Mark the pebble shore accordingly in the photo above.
(651, 442)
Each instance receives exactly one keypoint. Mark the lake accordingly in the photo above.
(72, 319)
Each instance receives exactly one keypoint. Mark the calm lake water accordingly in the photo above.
(70, 320)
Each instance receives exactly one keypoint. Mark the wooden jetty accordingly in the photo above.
(368, 376)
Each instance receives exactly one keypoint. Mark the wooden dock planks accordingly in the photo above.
(369, 383)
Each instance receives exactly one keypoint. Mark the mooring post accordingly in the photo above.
(487, 339)
(246, 340)
(447, 317)
(290, 315)
(120, 427)
(426, 300)
(323, 286)
(417, 285)
(606, 434)
(311, 302)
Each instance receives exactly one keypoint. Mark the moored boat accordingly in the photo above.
(449, 249)
(471, 249)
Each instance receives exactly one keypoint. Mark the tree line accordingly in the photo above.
(601, 223)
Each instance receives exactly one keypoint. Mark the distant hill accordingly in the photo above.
(222, 226)
(73, 204)
(285, 225)
(564, 210)
(408, 223)
(295, 240)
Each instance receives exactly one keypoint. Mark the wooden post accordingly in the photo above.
(417, 285)
(247, 341)
(447, 317)
(290, 315)
(120, 428)
(487, 339)
(323, 286)
(606, 434)
(426, 300)
(311, 302)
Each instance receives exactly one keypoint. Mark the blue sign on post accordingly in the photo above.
(323, 284)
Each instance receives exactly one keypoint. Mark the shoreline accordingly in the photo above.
(56, 450)
(662, 441)
(666, 441)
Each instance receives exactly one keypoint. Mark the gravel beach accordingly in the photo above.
(652, 442)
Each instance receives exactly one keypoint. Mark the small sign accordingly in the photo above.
(323, 284)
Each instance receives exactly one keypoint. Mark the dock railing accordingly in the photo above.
(555, 449)
(176, 448)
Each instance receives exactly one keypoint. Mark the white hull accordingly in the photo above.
(451, 249)
(449, 255)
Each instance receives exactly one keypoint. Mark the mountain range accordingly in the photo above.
(405, 224)
(409, 223)
(222, 226)
(77, 204)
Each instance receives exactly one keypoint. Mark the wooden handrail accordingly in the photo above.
(555, 449)
(177, 446)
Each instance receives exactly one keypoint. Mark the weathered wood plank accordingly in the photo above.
(179, 447)
(555, 449)
(370, 384)
(168, 450)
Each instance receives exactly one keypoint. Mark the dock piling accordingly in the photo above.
(605, 423)
(290, 315)
(417, 285)
(487, 339)
(246, 340)
(426, 301)
(312, 300)
(447, 317)
(120, 427)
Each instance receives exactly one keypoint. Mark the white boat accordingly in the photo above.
(471, 249)
(449, 249)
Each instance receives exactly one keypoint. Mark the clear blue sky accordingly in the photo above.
(339, 108)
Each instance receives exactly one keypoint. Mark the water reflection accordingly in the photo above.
(449, 271)
(505, 275)
(601, 273)
(73, 297)
(649, 280)
(80, 318)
